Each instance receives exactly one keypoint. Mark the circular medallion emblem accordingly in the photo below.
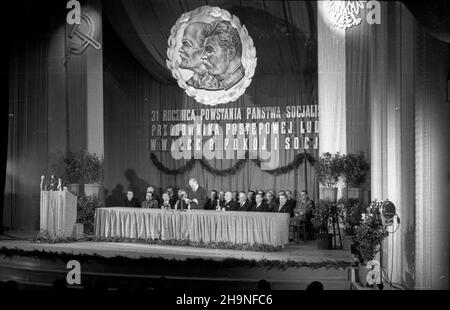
(211, 55)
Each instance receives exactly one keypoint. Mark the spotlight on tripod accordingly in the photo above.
(383, 211)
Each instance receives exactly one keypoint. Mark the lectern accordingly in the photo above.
(58, 213)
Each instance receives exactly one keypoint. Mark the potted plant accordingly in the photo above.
(92, 173)
(352, 209)
(355, 170)
(367, 240)
(68, 167)
(329, 169)
(322, 221)
(86, 212)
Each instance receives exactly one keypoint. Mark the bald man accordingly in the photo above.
(230, 204)
(197, 195)
(190, 52)
(243, 204)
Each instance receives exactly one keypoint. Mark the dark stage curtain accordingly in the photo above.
(37, 115)
(4, 113)
(27, 136)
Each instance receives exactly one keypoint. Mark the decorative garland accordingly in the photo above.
(210, 245)
(296, 162)
(44, 237)
(225, 172)
(185, 263)
(182, 170)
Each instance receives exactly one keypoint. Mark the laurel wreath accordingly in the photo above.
(249, 59)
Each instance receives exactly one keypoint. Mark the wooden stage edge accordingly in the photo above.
(42, 272)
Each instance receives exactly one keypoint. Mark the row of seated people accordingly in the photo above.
(196, 198)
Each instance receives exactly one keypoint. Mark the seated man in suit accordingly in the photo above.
(130, 201)
(270, 201)
(166, 201)
(221, 196)
(197, 195)
(172, 196)
(243, 204)
(251, 197)
(235, 195)
(263, 195)
(230, 204)
(278, 197)
(284, 207)
(281, 193)
(149, 201)
(179, 193)
(274, 196)
(308, 207)
(290, 199)
(260, 205)
(151, 189)
(211, 202)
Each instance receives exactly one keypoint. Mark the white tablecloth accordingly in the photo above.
(203, 226)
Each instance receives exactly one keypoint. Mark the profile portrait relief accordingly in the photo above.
(191, 50)
(211, 55)
(222, 55)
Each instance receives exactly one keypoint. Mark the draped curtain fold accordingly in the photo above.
(357, 90)
(37, 107)
(27, 155)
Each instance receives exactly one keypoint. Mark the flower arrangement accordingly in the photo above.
(368, 237)
(86, 209)
(329, 168)
(352, 211)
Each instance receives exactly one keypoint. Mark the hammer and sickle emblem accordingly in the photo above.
(82, 35)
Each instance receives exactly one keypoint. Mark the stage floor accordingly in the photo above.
(303, 251)
(35, 272)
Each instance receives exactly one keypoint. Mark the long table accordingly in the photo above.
(204, 226)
